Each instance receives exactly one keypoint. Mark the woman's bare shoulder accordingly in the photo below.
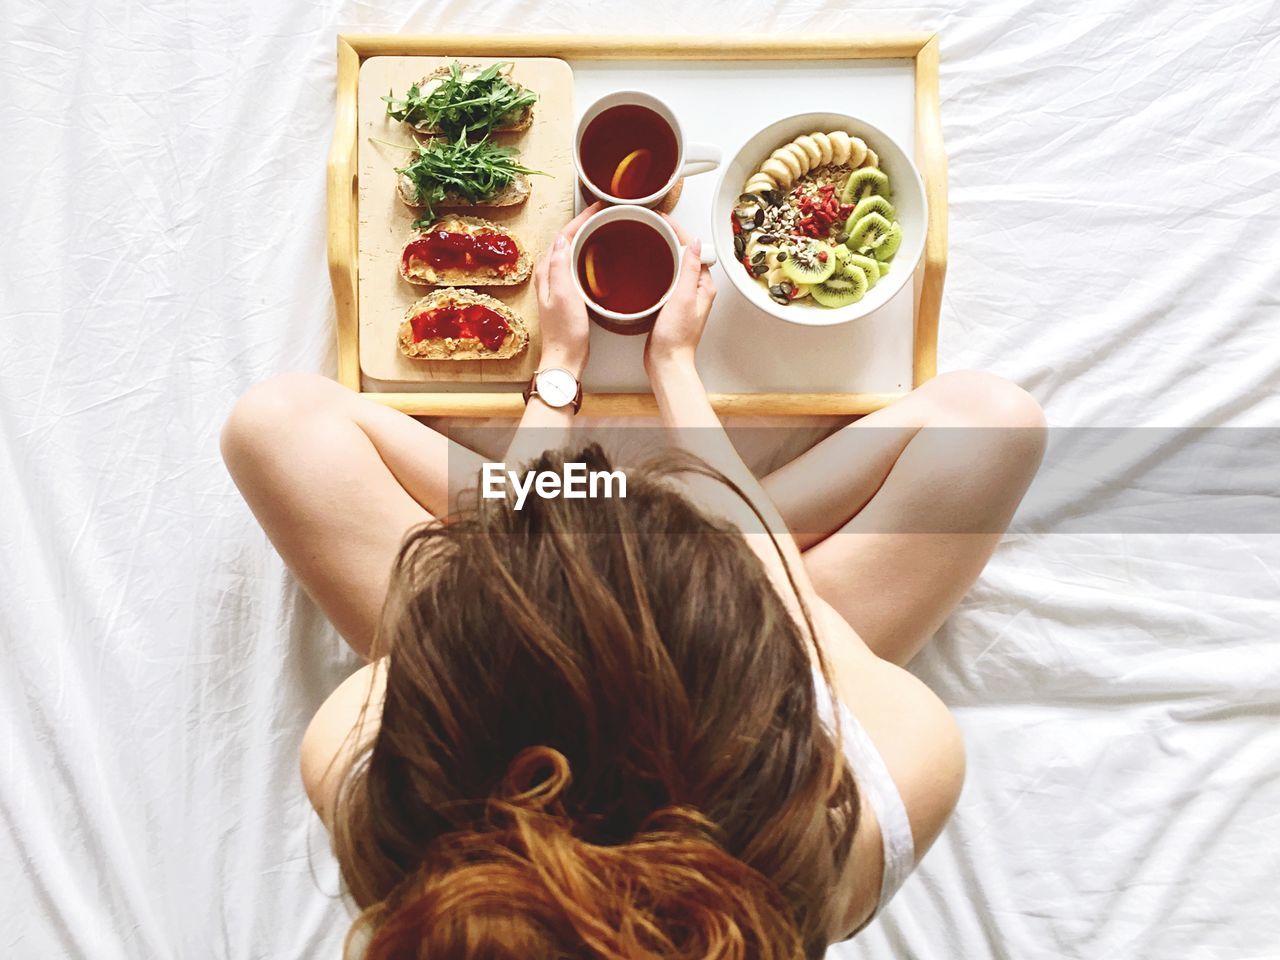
(912, 728)
(343, 726)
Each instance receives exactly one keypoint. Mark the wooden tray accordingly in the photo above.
(920, 51)
(386, 221)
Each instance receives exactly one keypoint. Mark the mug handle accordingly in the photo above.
(699, 158)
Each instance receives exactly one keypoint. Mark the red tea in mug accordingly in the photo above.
(626, 266)
(628, 151)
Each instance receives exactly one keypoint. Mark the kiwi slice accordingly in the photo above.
(868, 266)
(872, 204)
(864, 182)
(892, 241)
(868, 233)
(841, 290)
(809, 263)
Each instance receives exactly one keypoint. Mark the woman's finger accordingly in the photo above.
(706, 290)
(681, 233)
(690, 270)
(559, 277)
(572, 226)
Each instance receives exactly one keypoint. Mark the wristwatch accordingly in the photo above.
(556, 387)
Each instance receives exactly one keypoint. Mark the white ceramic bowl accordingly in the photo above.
(908, 202)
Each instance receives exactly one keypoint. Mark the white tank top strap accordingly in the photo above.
(882, 793)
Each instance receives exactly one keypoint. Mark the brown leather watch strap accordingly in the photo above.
(528, 391)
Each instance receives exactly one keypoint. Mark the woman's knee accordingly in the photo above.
(271, 409)
(1006, 420)
(981, 399)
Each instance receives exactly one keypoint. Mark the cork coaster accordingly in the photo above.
(665, 205)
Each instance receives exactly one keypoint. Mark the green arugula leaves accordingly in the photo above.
(474, 171)
(459, 107)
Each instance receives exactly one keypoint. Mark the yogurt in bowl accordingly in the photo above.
(819, 219)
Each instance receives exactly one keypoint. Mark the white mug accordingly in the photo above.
(691, 158)
(648, 217)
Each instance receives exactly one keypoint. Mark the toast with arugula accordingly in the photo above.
(465, 100)
(462, 173)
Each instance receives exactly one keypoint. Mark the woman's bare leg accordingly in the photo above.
(880, 507)
(336, 481)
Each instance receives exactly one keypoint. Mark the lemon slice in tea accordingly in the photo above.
(636, 164)
(595, 284)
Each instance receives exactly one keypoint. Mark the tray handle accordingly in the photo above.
(931, 157)
(341, 191)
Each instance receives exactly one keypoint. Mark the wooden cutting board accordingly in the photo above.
(386, 223)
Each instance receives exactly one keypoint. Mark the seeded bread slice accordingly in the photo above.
(424, 274)
(523, 121)
(465, 348)
(516, 192)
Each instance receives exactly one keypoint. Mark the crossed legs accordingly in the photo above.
(336, 481)
(897, 514)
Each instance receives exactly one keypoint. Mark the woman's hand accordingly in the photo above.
(561, 312)
(680, 322)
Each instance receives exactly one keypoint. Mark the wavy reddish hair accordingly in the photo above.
(599, 739)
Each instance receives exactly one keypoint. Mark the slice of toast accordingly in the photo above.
(511, 125)
(516, 192)
(419, 271)
(463, 348)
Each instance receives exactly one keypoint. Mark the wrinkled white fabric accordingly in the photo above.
(1114, 247)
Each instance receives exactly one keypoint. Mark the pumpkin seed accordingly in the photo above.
(760, 269)
(782, 255)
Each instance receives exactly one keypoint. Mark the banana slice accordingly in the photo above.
(806, 152)
(811, 149)
(839, 146)
(788, 160)
(824, 147)
(780, 173)
(773, 276)
(857, 152)
(801, 155)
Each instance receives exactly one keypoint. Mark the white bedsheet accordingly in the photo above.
(1115, 248)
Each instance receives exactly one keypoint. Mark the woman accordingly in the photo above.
(604, 728)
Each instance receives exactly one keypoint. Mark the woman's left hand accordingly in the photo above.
(561, 312)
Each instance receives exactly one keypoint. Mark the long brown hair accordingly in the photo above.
(599, 739)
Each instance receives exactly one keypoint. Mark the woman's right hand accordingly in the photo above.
(682, 319)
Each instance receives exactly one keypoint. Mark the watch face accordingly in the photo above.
(557, 387)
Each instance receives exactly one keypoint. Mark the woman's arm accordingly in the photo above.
(562, 317)
(685, 409)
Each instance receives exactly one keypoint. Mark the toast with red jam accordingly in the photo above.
(454, 323)
(459, 251)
